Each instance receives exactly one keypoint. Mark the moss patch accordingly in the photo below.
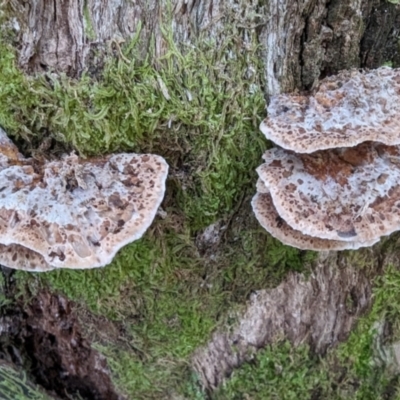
(356, 369)
(14, 386)
(282, 372)
(199, 108)
(168, 299)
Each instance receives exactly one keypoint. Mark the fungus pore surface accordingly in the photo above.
(74, 213)
(346, 194)
(270, 220)
(346, 109)
(20, 257)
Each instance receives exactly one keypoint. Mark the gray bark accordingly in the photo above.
(301, 40)
(319, 310)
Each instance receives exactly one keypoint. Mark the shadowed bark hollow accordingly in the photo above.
(301, 41)
(45, 337)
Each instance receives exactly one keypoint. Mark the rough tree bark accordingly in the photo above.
(301, 42)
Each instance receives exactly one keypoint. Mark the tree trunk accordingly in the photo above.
(300, 43)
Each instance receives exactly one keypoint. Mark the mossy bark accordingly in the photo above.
(319, 310)
(299, 43)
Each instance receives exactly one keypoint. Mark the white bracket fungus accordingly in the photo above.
(350, 195)
(270, 220)
(74, 213)
(341, 191)
(345, 110)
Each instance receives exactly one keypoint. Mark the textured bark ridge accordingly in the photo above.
(310, 39)
(60, 35)
(319, 310)
(300, 41)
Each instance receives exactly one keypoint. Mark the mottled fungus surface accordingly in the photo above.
(346, 194)
(20, 257)
(8, 151)
(75, 213)
(334, 183)
(346, 109)
(270, 220)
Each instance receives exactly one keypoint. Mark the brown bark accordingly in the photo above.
(301, 40)
(320, 311)
(319, 38)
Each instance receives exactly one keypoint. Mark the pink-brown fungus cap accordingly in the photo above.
(349, 194)
(76, 213)
(20, 257)
(270, 220)
(346, 109)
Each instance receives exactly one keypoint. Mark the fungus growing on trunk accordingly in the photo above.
(341, 190)
(75, 213)
(346, 194)
(270, 220)
(346, 109)
(20, 257)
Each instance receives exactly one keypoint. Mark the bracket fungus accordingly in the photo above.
(74, 213)
(345, 110)
(334, 185)
(270, 220)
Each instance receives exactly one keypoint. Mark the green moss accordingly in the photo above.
(278, 372)
(205, 118)
(168, 299)
(14, 386)
(200, 108)
(284, 372)
(89, 31)
(350, 371)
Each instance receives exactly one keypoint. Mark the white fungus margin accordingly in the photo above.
(74, 213)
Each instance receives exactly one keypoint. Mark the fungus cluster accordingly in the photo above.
(74, 213)
(333, 182)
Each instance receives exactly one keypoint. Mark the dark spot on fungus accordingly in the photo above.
(347, 234)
